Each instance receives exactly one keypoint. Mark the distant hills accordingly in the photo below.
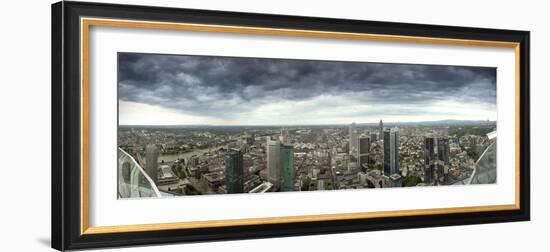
(441, 123)
(433, 123)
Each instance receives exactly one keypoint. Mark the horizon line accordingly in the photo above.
(327, 124)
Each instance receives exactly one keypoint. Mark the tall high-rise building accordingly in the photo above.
(381, 129)
(429, 159)
(443, 149)
(391, 151)
(151, 162)
(394, 151)
(234, 172)
(386, 138)
(287, 167)
(364, 146)
(443, 153)
(274, 163)
(353, 141)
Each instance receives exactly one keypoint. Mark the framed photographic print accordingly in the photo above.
(181, 125)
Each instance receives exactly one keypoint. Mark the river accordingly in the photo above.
(187, 155)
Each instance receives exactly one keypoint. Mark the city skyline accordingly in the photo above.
(211, 90)
(260, 160)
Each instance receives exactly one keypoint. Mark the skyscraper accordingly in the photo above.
(151, 161)
(381, 129)
(394, 151)
(364, 146)
(274, 162)
(234, 172)
(391, 151)
(429, 159)
(443, 149)
(353, 141)
(287, 167)
(387, 157)
(443, 156)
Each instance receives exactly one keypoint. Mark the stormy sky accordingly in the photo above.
(177, 90)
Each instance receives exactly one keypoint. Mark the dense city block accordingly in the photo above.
(196, 160)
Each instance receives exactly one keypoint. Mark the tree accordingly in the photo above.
(177, 169)
(471, 153)
(372, 162)
(410, 180)
(191, 190)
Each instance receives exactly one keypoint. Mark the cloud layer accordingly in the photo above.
(233, 90)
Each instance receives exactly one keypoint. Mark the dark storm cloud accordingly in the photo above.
(210, 85)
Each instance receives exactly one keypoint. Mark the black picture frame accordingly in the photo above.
(66, 125)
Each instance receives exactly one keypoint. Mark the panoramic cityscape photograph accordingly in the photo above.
(203, 125)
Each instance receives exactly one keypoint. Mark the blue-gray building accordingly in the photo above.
(364, 147)
(391, 151)
(443, 149)
(429, 159)
(234, 172)
(151, 162)
(287, 167)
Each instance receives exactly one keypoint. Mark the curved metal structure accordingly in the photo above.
(133, 181)
(485, 171)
